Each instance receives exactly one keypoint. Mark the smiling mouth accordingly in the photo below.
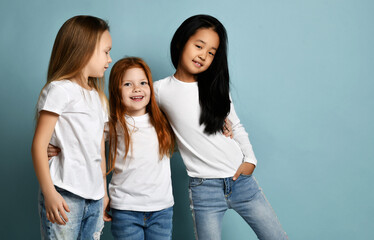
(137, 98)
(197, 64)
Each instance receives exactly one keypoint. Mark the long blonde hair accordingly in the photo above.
(165, 135)
(74, 45)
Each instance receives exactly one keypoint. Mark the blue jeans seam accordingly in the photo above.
(193, 214)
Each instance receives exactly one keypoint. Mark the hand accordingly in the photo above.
(55, 207)
(245, 168)
(106, 206)
(52, 151)
(227, 128)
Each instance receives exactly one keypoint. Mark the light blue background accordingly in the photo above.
(302, 81)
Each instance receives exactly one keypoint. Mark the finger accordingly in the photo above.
(50, 218)
(107, 217)
(224, 127)
(237, 174)
(52, 149)
(227, 124)
(58, 218)
(63, 215)
(52, 153)
(65, 205)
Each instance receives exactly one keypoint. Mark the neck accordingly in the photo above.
(82, 81)
(184, 77)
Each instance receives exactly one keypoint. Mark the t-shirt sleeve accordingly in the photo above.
(156, 89)
(105, 113)
(241, 137)
(53, 98)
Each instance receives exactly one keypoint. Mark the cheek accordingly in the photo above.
(148, 93)
(209, 63)
(124, 94)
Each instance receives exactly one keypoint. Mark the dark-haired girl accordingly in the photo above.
(196, 101)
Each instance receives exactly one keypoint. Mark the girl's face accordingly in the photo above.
(135, 91)
(199, 51)
(99, 62)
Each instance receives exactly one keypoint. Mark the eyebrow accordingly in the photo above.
(205, 43)
(132, 80)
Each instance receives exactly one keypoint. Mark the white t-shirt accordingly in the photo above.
(205, 156)
(78, 133)
(142, 181)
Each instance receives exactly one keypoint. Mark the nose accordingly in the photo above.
(109, 59)
(136, 88)
(203, 55)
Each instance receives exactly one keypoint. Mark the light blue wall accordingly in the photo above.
(302, 81)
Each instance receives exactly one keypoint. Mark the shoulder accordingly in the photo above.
(157, 85)
(158, 82)
(55, 96)
(66, 86)
(58, 87)
(62, 83)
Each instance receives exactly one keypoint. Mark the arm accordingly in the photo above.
(241, 137)
(54, 203)
(106, 199)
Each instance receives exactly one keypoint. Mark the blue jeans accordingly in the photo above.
(132, 225)
(85, 219)
(210, 198)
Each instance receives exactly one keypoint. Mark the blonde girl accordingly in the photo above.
(140, 143)
(71, 115)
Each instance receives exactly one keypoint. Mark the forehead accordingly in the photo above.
(135, 73)
(106, 39)
(207, 36)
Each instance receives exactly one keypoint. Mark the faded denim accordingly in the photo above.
(210, 198)
(85, 219)
(133, 225)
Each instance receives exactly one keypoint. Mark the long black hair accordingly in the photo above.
(214, 83)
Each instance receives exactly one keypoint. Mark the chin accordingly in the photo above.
(100, 76)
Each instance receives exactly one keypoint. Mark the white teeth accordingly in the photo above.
(136, 97)
(198, 64)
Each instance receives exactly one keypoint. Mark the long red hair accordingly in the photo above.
(165, 135)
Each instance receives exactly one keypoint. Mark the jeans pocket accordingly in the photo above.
(194, 182)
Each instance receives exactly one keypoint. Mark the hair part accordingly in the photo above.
(165, 136)
(214, 83)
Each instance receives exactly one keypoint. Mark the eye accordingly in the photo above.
(212, 54)
(126, 84)
(144, 83)
(198, 46)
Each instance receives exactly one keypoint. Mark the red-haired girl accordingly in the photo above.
(140, 143)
